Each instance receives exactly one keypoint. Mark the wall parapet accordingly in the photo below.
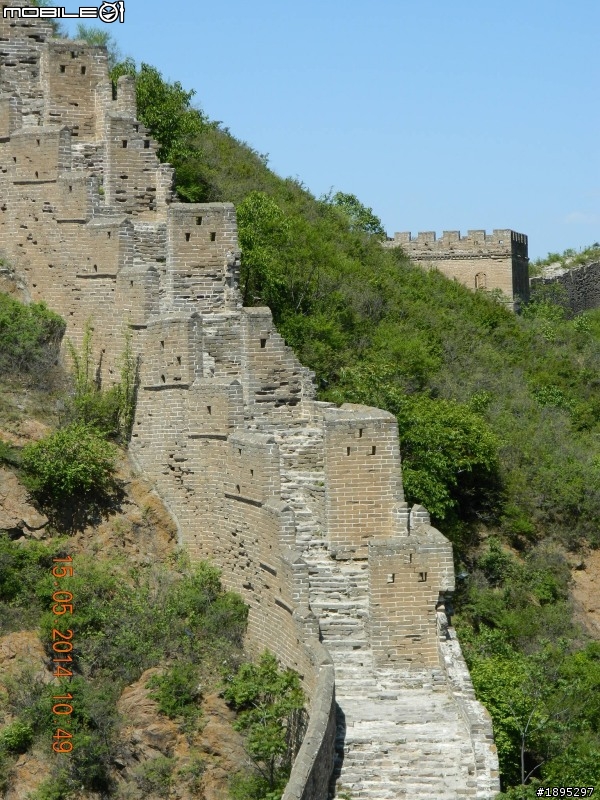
(479, 260)
(500, 241)
(312, 767)
(476, 717)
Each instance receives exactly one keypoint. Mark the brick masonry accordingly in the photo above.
(581, 284)
(298, 502)
(479, 260)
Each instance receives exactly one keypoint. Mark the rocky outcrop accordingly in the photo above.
(147, 734)
(17, 514)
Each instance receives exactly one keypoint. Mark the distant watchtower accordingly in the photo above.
(478, 260)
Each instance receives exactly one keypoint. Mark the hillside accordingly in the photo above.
(499, 422)
(498, 419)
(152, 635)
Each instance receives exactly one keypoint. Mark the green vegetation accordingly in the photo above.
(29, 339)
(499, 420)
(71, 472)
(531, 667)
(17, 737)
(73, 464)
(126, 620)
(156, 776)
(270, 705)
(569, 258)
(165, 108)
(176, 691)
(110, 411)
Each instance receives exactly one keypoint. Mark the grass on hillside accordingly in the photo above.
(568, 259)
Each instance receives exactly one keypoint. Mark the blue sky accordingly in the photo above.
(438, 115)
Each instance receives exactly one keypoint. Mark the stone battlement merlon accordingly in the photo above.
(502, 240)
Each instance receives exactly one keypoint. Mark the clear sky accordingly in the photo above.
(439, 115)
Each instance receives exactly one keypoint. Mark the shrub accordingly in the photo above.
(270, 706)
(176, 691)
(73, 463)
(58, 787)
(17, 737)
(30, 336)
(155, 775)
(110, 411)
(254, 787)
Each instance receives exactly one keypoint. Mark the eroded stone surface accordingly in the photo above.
(17, 514)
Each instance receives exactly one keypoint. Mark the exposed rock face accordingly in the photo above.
(27, 774)
(586, 593)
(143, 531)
(19, 652)
(148, 734)
(17, 515)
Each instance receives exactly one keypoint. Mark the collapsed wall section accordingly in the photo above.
(581, 284)
(273, 378)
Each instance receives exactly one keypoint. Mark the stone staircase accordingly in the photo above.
(400, 732)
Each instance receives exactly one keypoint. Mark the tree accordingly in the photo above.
(360, 217)
(263, 232)
(166, 110)
(269, 703)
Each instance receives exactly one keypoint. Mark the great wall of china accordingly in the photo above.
(300, 503)
(479, 260)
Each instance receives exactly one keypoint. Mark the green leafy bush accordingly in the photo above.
(17, 737)
(75, 462)
(270, 703)
(25, 585)
(58, 787)
(176, 691)
(30, 336)
(155, 776)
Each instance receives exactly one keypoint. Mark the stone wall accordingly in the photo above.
(582, 285)
(408, 575)
(297, 502)
(478, 260)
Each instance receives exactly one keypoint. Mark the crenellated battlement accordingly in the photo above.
(478, 241)
(298, 502)
(479, 260)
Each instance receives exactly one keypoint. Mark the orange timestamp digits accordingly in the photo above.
(62, 646)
